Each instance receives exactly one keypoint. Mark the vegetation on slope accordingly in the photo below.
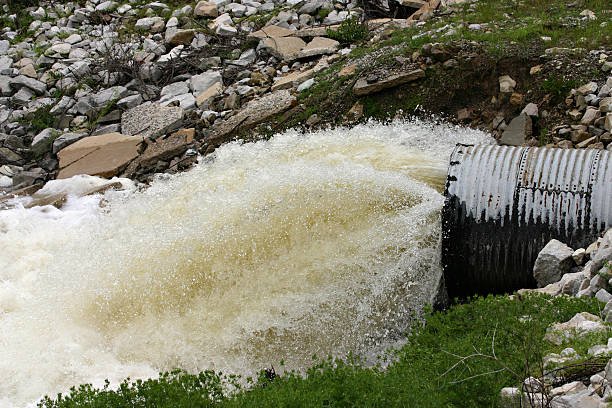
(426, 372)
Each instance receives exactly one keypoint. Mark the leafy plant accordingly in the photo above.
(349, 31)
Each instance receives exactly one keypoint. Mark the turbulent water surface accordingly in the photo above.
(318, 243)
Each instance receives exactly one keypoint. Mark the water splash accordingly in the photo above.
(319, 243)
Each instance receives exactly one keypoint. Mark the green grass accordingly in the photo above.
(420, 375)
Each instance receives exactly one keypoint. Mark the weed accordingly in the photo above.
(557, 87)
(349, 31)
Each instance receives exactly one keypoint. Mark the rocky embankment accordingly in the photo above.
(127, 88)
(570, 379)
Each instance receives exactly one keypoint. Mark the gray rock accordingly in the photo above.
(63, 105)
(5, 86)
(553, 261)
(10, 157)
(147, 23)
(106, 129)
(79, 69)
(257, 111)
(578, 256)
(200, 83)
(27, 178)
(311, 7)
(597, 282)
(305, 85)
(42, 141)
(23, 96)
(106, 96)
(65, 140)
(531, 109)
(4, 46)
(185, 101)
(603, 296)
(106, 6)
(23, 81)
(571, 283)
(151, 120)
(6, 63)
(517, 131)
(602, 255)
(130, 101)
(174, 89)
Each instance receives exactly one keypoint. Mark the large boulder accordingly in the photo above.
(285, 48)
(151, 120)
(103, 155)
(553, 261)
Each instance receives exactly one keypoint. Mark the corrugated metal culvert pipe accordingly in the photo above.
(503, 204)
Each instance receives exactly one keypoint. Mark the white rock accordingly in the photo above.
(306, 84)
(5, 181)
(506, 84)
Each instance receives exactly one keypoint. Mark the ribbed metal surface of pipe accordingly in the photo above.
(503, 204)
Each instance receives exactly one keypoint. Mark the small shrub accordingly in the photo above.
(558, 88)
(41, 120)
(349, 31)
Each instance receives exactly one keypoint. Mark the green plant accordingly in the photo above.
(557, 87)
(349, 31)
(41, 119)
(413, 378)
(322, 13)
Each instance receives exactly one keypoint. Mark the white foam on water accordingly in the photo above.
(319, 243)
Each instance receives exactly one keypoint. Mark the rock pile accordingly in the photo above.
(583, 272)
(80, 73)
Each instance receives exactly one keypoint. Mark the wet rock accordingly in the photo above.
(56, 200)
(162, 149)
(362, 87)
(517, 131)
(151, 120)
(103, 155)
(553, 261)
